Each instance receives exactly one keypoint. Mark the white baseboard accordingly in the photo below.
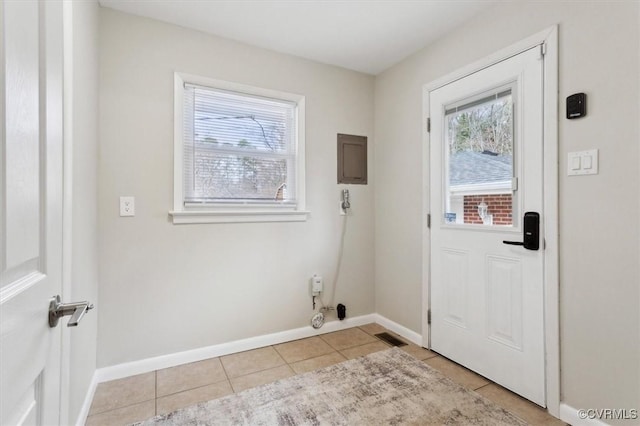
(165, 361)
(401, 330)
(120, 371)
(88, 399)
(570, 415)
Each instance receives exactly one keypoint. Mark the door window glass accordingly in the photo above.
(480, 183)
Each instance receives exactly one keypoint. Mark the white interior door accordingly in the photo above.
(30, 210)
(486, 150)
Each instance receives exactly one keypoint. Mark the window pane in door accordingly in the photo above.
(479, 160)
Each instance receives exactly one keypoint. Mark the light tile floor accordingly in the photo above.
(139, 397)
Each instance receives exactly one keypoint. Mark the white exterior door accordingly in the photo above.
(486, 150)
(30, 210)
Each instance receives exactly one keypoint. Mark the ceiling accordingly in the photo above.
(362, 35)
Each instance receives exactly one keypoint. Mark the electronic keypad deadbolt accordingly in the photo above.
(530, 231)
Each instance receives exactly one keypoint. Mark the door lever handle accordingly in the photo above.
(531, 232)
(58, 310)
(78, 313)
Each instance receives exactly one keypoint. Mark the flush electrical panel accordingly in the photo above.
(352, 159)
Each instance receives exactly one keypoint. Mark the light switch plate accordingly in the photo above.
(127, 206)
(582, 163)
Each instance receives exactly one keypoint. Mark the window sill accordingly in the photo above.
(192, 217)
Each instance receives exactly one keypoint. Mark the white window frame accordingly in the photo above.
(184, 213)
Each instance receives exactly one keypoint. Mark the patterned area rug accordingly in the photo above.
(383, 388)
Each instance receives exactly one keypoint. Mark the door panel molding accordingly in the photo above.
(498, 330)
(456, 263)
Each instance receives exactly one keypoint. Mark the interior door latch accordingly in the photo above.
(58, 310)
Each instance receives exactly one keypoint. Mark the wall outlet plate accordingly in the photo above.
(317, 285)
(127, 206)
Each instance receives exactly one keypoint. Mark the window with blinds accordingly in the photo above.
(238, 147)
(238, 153)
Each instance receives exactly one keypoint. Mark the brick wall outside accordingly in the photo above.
(499, 205)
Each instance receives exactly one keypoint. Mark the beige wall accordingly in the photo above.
(599, 282)
(167, 288)
(81, 133)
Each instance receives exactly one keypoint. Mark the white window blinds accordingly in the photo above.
(238, 148)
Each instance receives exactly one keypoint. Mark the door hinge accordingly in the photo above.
(543, 49)
(429, 316)
(514, 184)
(429, 220)
(428, 124)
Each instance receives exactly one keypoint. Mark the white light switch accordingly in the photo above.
(127, 206)
(575, 163)
(582, 163)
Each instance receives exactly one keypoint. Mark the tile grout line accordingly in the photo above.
(190, 389)
(121, 407)
(224, 370)
(321, 338)
(314, 357)
(226, 379)
(257, 371)
(278, 353)
(483, 386)
(429, 357)
(226, 374)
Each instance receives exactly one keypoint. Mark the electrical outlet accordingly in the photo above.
(316, 285)
(127, 206)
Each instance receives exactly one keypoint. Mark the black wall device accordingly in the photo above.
(342, 311)
(576, 105)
